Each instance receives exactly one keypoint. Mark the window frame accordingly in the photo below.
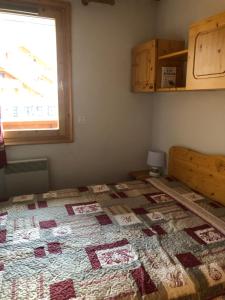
(60, 10)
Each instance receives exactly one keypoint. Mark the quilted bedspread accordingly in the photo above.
(123, 241)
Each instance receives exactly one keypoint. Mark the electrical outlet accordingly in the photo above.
(81, 119)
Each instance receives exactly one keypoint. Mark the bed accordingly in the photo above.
(130, 240)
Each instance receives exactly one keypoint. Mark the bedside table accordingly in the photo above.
(139, 175)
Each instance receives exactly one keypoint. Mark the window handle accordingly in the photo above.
(61, 86)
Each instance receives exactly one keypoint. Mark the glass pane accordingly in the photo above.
(28, 72)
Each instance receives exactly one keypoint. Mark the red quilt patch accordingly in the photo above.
(54, 248)
(3, 214)
(149, 198)
(2, 236)
(114, 196)
(47, 224)
(148, 232)
(144, 283)
(103, 220)
(155, 229)
(1, 266)
(42, 204)
(39, 252)
(139, 211)
(63, 290)
(158, 229)
(188, 260)
(122, 195)
(31, 206)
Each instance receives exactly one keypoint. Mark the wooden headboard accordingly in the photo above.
(201, 172)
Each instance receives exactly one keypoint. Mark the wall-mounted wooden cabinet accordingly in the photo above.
(201, 67)
(206, 61)
(147, 67)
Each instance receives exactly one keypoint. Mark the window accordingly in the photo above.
(35, 71)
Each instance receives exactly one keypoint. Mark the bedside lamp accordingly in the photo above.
(156, 160)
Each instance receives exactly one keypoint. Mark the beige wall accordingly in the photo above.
(192, 119)
(116, 135)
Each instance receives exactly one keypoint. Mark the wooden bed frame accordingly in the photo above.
(201, 172)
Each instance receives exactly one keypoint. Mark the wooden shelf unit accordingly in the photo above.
(200, 67)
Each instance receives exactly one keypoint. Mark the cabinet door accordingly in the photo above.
(206, 58)
(143, 67)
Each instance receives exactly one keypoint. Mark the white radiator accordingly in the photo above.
(25, 177)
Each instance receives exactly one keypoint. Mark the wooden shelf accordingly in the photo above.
(174, 54)
(174, 89)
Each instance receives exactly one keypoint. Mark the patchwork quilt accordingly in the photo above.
(122, 241)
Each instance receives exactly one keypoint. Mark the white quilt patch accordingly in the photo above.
(161, 198)
(121, 186)
(26, 235)
(50, 195)
(210, 235)
(127, 219)
(155, 216)
(177, 282)
(116, 256)
(62, 230)
(3, 220)
(86, 209)
(23, 198)
(100, 188)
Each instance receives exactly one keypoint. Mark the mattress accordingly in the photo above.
(131, 240)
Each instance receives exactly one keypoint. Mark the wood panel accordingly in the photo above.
(201, 172)
(166, 47)
(206, 59)
(210, 44)
(143, 67)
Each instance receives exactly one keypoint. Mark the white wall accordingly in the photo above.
(116, 136)
(192, 119)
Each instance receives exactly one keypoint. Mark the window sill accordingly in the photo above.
(38, 137)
